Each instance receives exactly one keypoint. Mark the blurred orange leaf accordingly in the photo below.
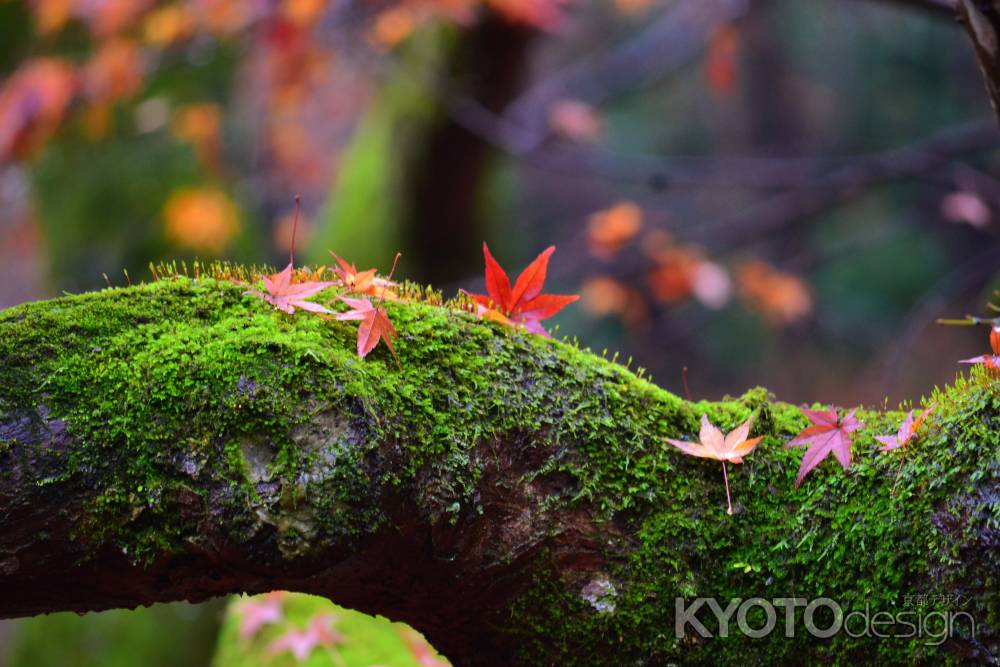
(609, 230)
(393, 26)
(781, 297)
(202, 219)
(115, 71)
(167, 25)
(672, 279)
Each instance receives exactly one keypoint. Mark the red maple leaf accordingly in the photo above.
(827, 434)
(524, 304)
(375, 325)
(286, 295)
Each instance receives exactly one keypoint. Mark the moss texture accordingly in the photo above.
(187, 394)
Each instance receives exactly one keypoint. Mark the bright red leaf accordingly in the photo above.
(375, 325)
(827, 434)
(524, 304)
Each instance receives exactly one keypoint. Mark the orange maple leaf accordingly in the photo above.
(362, 282)
(714, 445)
(375, 324)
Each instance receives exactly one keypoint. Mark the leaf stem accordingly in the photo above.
(295, 225)
(729, 500)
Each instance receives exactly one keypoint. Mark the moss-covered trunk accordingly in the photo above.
(510, 496)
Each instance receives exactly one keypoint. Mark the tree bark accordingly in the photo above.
(981, 19)
(510, 496)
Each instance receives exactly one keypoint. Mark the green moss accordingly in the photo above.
(842, 535)
(186, 387)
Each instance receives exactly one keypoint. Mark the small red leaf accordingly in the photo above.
(826, 435)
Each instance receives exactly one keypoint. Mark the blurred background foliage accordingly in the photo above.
(774, 192)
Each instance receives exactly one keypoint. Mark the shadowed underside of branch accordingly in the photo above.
(510, 496)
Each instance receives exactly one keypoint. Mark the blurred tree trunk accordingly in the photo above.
(449, 166)
(413, 178)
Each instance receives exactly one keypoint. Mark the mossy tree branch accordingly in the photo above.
(508, 495)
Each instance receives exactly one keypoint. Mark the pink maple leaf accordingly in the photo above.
(286, 296)
(422, 651)
(257, 612)
(906, 431)
(301, 643)
(827, 434)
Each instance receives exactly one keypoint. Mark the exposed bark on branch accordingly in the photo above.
(510, 496)
(982, 21)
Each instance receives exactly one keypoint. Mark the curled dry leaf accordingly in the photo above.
(902, 438)
(906, 431)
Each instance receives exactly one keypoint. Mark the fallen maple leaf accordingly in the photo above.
(362, 282)
(906, 431)
(732, 447)
(375, 325)
(991, 361)
(286, 295)
(524, 304)
(255, 613)
(827, 434)
(301, 643)
(902, 438)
